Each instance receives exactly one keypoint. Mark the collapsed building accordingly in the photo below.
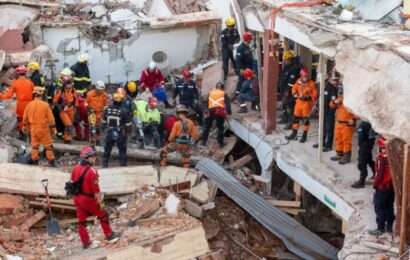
(367, 45)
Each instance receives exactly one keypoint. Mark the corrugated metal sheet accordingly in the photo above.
(295, 236)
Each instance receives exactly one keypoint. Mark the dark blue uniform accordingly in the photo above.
(117, 122)
(229, 37)
(367, 137)
(244, 60)
(188, 95)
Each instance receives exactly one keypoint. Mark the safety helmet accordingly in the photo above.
(304, 72)
(66, 72)
(100, 85)
(186, 74)
(33, 65)
(84, 57)
(152, 65)
(230, 21)
(247, 37)
(220, 85)
(87, 152)
(289, 54)
(247, 74)
(38, 90)
(21, 70)
(132, 86)
(182, 109)
(381, 142)
(117, 97)
(152, 102)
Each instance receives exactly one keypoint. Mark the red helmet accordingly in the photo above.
(381, 142)
(87, 152)
(247, 74)
(152, 102)
(186, 74)
(304, 72)
(21, 70)
(247, 37)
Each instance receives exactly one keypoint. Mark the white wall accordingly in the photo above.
(178, 44)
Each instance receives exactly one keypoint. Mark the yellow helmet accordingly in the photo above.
(117, 97)
(38, 90)
(33, 66)
(132, 86)
(230, 21)
(289, 54)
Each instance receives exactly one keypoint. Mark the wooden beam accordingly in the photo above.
(404, 202)
(285, 203)
(55, 206)
(241, 162)
(297, 189)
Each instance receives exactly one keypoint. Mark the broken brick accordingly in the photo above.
(10, 204)
(32, 221)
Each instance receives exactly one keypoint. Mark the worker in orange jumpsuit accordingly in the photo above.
(66, 101)
(23, 88)
(305, 93)
(38, 121)
(345, 127)
(183, 135)
(97, 100)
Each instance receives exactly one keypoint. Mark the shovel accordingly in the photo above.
(53, 227)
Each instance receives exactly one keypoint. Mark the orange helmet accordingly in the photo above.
(87, 152)
(247, 37)
(247, 74)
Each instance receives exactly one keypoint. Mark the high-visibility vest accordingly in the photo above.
(216, 99)
(146, 116)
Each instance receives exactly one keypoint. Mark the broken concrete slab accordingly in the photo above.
(174, 175)
(200, 192)
(193, 209)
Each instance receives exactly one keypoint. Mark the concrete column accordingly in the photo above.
(270, 76)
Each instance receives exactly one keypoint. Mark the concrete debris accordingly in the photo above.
(172, 204)
(200, 192)
(10, 204)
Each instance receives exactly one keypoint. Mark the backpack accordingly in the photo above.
(73, 188)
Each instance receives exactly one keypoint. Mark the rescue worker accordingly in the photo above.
(288, 78)
(65, 75)
(89, 202)
(132, 89)
(167, 124)
(65, 101)
(229, 37)
(330, 94)
(183, 135)
(97, 101)
(305, 93)
(244, 58)
(117, 121)
(35, 76)
(367, 138)
(148, 120)
(218, 108)
(81, 124)
(38, 121)
(22, 88)
(247, 92)
(344, 129)
(384, 193)
(188, 94)
(81, 73)
(153, 79)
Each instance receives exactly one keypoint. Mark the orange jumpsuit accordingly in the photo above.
(97, 102)
(306, 97)
(38, 119)
(345, 126)
(176, 141)
(23, 88)
(67, 100)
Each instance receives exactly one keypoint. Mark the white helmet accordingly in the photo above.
(152, 65)
(66, 72)
(84, 57)
(100, 85)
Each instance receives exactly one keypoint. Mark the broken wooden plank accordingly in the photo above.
(32, 221)
(293, 211)
(57, 201)
(55, 206)
(285, 203)
(241, 162)
(186, 185)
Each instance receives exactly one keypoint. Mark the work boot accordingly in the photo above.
(315, 146)
(327, 149)
(33, 162)
(347, 157)
(304, 137)
(389, 228)
(293, 135)
(337, 157)
(359, 184)
(376, 232)
(114, 237)
(243, 110)
(52, 163)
